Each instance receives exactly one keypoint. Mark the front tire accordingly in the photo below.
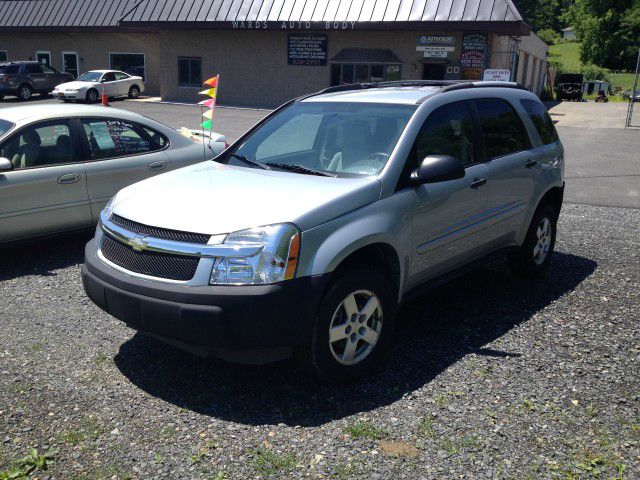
(134, 92)
(353, 328)
(24, 93)
(533, 257)
(92, 96)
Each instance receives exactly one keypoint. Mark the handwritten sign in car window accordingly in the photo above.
(115, 138)
(102, 135)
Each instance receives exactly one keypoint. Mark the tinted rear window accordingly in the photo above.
(10, 69)
(542, 121)
(5, 126)
(503, 132)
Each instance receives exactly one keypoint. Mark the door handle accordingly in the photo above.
(478, 182)
(157, 165)
(531, 163)
(68, 178)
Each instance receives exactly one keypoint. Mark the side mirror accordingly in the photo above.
(437, 168)
(5, 164)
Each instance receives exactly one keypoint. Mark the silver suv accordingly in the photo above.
(307, 233)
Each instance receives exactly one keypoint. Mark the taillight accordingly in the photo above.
(226, 145)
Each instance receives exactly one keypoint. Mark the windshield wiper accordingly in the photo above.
(300, 169)
(248, 161)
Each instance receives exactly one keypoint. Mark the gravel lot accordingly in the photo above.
(490, 377)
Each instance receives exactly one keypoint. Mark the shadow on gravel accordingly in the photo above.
(435, 331)
(42, 257)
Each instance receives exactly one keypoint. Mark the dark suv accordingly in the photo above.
(569, 87)
(23, 79)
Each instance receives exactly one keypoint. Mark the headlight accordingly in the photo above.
(108, 208)
(277, 261)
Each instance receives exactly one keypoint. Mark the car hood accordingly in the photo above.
(213, 198)
(75, 84)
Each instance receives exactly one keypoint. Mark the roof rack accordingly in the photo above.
(446, 86)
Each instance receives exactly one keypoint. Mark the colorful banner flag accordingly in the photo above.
(208, 103)
(210, 91)
(212, 82)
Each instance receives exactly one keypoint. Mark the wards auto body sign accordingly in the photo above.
(264, 25)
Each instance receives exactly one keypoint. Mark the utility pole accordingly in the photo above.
(633, 91)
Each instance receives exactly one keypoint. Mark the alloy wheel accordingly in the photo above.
(24, 93)
(543, 241)
(355, 327)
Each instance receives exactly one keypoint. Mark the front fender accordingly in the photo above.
(386, 221)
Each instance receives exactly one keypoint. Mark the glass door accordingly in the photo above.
(70, 63)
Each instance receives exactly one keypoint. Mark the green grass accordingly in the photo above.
(568, 55)
(268, 462)
(365, 430)
(623, 81)
(28, 465)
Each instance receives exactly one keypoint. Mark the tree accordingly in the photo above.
(544, 14)
(608, 29)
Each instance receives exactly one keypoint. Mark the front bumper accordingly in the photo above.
(250, 324)
(65, 95)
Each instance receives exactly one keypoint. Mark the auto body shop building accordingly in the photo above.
(268, 51)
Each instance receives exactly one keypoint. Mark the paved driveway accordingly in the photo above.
(602, 163)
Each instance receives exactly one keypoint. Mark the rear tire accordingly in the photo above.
(1, 97)
(24, 92)
(134, 92)
(92, 96)
(359, 310)
(533, 257)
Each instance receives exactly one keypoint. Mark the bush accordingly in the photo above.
(549, 36)
(593, 72)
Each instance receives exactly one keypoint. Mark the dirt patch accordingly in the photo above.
(395, 448)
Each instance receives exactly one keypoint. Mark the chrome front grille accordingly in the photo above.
(146, 262)
(157, 232)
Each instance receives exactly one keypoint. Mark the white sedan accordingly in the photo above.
(90, 86)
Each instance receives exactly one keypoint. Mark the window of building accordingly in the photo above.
(70, 63)
(40, 145)
(345, 73)
(447, 131)
(3, 55)
(503, 132)
(131, 63)
(115, 138)
(44, 57)
(189, 71)
(541, 120)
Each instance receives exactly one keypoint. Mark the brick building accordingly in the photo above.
(268, 51)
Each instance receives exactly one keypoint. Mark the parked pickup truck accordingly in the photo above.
(307, 233)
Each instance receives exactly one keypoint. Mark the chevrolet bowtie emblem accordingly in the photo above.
(137, 243)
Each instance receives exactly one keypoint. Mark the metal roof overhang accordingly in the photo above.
(516, 28)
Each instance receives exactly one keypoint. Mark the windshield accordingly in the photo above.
(341, 138)
(5, 126)
(90, 77)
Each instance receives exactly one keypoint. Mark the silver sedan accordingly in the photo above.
(60, 164)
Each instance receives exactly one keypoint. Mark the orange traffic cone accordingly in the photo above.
(105, 100)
